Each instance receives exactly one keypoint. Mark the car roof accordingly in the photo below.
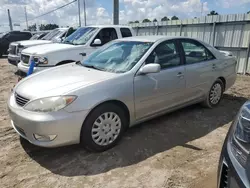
(113, 26)
(152, 38)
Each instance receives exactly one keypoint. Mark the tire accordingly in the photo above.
(103, 133)
(211, 102)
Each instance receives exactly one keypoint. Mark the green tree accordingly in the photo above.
(43, 27)
(136, 21)
(155, 20)
(130, 22)
(174, 18)
(165, 18)
(213, 13)
(248, 12)
(32, 27)
(146, 20)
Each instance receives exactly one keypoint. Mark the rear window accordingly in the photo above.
(126, 32)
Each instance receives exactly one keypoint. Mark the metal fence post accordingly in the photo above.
(247, 57)
(181, 29)
(214, 25)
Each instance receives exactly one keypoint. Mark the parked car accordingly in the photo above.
(75, 47)
(12, 36)
(234, 171)
(38, 36)
(56, 35)
(126, 82)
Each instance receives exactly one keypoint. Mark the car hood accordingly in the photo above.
(48, 48)
(27, 43)
(60, 80)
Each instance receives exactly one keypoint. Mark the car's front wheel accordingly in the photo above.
(215, 94)
(103, 127)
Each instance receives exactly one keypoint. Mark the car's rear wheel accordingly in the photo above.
(215, 94)
(103, 128)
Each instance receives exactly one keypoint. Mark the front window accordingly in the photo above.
(118, 56)
(53, 34)
(80, 36)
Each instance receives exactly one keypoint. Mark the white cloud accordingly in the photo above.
(67, 16)
(96, 14)
(140, 9)
(232, 3)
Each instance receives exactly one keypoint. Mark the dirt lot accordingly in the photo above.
(180, 149)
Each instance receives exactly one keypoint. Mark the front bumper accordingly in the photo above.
(231, 174)
(25, 68)
(13, 59)
(65, 125)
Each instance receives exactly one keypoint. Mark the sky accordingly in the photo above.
(100, 11)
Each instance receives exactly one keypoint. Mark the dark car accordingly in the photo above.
(234, 165)
(12, 36)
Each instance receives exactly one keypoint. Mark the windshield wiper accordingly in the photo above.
(92, 66)
(68, 42)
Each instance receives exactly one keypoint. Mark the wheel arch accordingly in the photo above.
(119, 103)
(223, 81)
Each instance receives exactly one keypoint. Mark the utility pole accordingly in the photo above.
(10, 22)
(84, 7)
(26, 18)
(115, 12)
(79, 13)
(202, 8)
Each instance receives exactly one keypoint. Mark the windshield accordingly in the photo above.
(53, 34)
(118, 56)
(81, 36)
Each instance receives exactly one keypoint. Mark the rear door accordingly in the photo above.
(200, 66)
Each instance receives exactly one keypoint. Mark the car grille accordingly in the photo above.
(12, 49)
(224, 177)
(21, 101)
(25, 59)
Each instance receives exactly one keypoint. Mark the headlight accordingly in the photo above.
(49, 104)
(240, 139)
(242, 131)
(41, 60)
(19, 49)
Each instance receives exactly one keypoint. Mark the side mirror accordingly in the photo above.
(62, 39)
(150, 68)
(97, 42)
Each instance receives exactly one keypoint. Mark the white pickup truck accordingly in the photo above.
(75, 47)
(55, 35)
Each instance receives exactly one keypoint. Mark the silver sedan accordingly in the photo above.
(120, 85)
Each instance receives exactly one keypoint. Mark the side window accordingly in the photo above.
(106, 35)
(165, 54)
(195, 52)
(126, 32)
(70, 31)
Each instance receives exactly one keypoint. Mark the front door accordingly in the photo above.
(159, 91)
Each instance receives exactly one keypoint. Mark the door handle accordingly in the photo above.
(180, 75)
(213, 66)
(83, 54)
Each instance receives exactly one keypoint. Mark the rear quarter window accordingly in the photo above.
(126, 32)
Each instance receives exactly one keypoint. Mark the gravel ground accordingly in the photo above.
(177, 150)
